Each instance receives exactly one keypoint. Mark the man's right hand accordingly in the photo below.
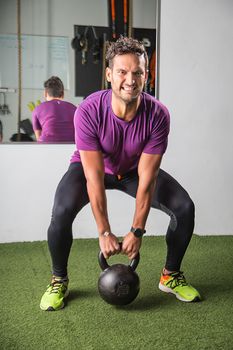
(109, 245)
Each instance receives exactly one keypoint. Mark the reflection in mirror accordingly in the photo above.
(46, 31)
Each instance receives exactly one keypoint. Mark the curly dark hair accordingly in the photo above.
(54, 87)
(123, 46)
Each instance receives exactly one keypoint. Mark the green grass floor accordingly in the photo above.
(155, 320)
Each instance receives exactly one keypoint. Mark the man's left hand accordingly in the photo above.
(131, 245)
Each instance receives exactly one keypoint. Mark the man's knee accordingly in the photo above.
(188, 208)
(62, 215)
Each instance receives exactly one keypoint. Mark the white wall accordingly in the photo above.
(56, 17)
(29, 177)
(196, 85)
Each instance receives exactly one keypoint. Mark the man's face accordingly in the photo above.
(127, 77)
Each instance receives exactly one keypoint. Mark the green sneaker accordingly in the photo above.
(175, 283)
(53, 298)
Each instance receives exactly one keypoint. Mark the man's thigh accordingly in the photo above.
(71, 193)
(168, 192)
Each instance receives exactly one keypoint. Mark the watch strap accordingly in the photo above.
(138, 232)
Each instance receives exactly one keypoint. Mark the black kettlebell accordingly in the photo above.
(118, 284)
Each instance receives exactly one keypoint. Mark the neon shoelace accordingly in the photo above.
(177, 279)
(56, 286)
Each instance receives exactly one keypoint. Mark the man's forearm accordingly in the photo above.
(98, 200)
(143, 205)
(93, 167)
(148, 169)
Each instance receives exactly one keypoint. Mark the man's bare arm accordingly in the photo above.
(37, 134)
(147, 170)
(93, 166)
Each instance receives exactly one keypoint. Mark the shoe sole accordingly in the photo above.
(50, 308)
(171, 291)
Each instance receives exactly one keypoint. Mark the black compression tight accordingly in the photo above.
(71, 196)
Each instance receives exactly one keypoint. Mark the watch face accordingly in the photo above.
(138, 232)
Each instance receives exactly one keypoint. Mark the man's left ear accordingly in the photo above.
(108, 74)
(45, 94)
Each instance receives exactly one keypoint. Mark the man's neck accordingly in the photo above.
(50, 98)
(125, 111)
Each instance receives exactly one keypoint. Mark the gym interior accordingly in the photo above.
(194, 48)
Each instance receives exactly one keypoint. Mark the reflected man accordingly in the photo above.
(52, 120)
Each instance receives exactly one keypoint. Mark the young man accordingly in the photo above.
(53, 120)
(121, 136)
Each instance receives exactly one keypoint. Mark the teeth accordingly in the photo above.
(128, 88)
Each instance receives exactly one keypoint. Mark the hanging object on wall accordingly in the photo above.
(95, 47)
(84, 45)
(147, 37)
(75, 43)
(152, 73)
(146, 42)
(130, 18)
(4, 108)
(125, 17)
(89, 76)
(82, 42)
(118, 18)
(104, 83)
(113, 13)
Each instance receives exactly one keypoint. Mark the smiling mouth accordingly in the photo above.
(129, 89)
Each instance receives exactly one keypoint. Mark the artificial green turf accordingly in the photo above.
(155, 320)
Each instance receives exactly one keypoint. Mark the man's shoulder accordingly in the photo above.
(154, 103)
(94, 108)
(151, 99)
(40, 107)
(95, 98)
(68, 104)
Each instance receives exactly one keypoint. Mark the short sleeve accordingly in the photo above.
(35, 121)
(86, 130)
(158, 140)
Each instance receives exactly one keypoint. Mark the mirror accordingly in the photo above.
(47, 30)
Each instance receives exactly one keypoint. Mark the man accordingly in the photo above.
(121, 136)
(53, 120)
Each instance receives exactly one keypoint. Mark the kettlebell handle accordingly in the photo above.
(104, 264)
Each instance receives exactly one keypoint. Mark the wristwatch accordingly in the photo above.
(106, 233)
(138, 232)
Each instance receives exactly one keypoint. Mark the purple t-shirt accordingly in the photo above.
(121, 142)
(55, 119)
